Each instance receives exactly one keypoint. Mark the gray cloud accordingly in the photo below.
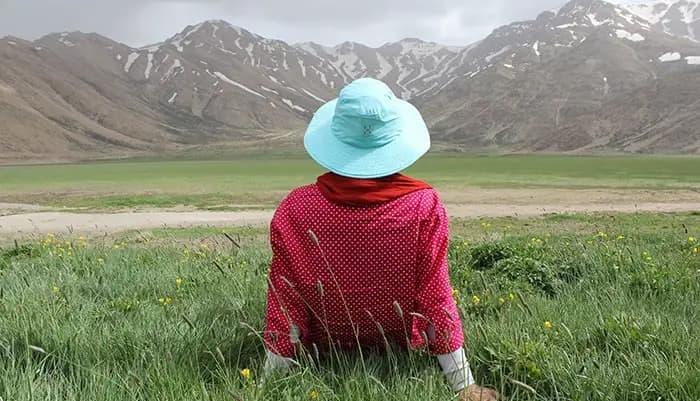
(374, 22)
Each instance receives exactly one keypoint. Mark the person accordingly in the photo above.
(360, 257)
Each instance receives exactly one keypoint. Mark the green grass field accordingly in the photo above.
(176, 315)
(263, 182)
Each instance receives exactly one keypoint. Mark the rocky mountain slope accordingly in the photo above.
(678, 18)
(591, 77)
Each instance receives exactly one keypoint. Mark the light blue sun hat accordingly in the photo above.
(367, 132)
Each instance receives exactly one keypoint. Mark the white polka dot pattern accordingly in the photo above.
(343, 274)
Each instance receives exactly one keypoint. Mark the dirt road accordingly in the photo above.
(29, 223)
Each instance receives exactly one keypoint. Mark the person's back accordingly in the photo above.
(374, 262)
(360, 258)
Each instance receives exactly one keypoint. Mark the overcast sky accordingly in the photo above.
(373, 22)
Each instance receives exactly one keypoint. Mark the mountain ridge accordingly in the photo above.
(73, 95)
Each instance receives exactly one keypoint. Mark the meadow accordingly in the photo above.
(559, 307)
(578, 307)
(261, 182)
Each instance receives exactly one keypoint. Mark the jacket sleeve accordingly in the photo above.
(439, 320)
(287, 319)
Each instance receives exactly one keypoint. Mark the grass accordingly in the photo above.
(235, 184)
(107, 318)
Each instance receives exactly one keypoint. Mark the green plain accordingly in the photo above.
(262, 182)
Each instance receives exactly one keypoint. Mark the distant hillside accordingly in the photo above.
(592, 77)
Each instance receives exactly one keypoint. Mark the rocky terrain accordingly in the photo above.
(591, 77)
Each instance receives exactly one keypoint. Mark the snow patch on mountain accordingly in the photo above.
(266, 89)
(62, 39)
(149, 66)
(313, 96)
(130, 61)
(670, 57)
(622, 34)
(172, 70)
(236, 84)
(496, 54)
(294, 106)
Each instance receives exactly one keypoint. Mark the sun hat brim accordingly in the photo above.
(412, 142)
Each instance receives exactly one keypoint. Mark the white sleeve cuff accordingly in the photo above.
(275, 362)
(455, 366)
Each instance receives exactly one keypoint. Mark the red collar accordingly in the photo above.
(362, 192)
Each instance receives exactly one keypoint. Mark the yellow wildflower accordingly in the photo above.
(245, 373)
(186, 252)
(55, 289)
(695, 250)
(100, 260)
(692, 240)
(547, 324)
(476, 300)
(116, 246)
(620, 237)
(204, 246)
(501, 300)
(314, 395)
(455, 292)
(511, 296)
(602, 235)
(178, 281)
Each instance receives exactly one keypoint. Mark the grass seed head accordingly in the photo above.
(397, 309)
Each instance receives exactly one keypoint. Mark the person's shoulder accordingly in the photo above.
(428, 196)
(301, 193)
(298, 197)
(429, 202)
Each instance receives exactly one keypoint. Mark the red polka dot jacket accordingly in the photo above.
(344, 273)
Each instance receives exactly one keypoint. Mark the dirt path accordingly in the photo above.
(28, 223)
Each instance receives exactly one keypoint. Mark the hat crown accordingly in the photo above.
(365, 113)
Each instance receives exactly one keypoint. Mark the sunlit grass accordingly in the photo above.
(555, 308)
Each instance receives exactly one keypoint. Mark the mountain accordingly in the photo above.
(676, 17)
(411, 66)
(49, 112)
(590, 77)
